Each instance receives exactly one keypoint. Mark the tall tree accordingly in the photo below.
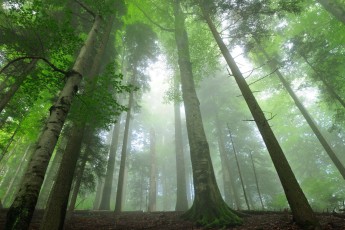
(21, 211)
(153, 173)
(335, 8)
(208, 207)
(301, 210)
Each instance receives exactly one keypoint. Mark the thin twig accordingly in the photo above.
(33, 57)
(265, 76)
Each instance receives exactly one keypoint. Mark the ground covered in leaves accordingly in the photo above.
(105, 220)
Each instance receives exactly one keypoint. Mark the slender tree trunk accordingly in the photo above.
(21, 211)
(329, 87)
(225, 170)
(98, 195)
(15, 176)
(14, 88)
(78, 178)
(256, 181)
(307, 117)
(51, 175)
(119, 193)
(181, 192)
(208, 207)
(54, 215)
(153, 172)
(301, 210)
(108, 182)
(238, 168)
(334, 8)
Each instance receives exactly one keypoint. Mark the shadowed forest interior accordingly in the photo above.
(210, 110)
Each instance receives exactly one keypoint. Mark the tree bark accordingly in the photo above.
(54, 215)
(119, 192)
(21, 211)
(108, 181)
(208, 207)
(153, 172)
(334, 8)
(301, 210)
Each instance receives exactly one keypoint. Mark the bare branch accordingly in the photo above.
(265, 76)
(153, 22)
(33, 57)
(85, 7)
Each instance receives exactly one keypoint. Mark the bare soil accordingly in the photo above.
(106, 220)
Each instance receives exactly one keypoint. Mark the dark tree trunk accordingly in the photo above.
(21, 211)
(108, 181)
(239, 169)
(120, 184)
(208, 207)
(78, 178)
(54, 215)
(153, 173)
(301, 210)
(181, 192)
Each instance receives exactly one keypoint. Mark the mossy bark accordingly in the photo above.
(208, 209)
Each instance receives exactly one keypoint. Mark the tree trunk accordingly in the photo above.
(181, 192)
(108, 182)
(334, 8)
(208, 207)
(301, 210)
(307, 117)
(15, 176)
(78, 178)
(256, 181)
(51, 175)
(223, 158)
(98, 195)
(239, 169)
(21, 211)
(54, 215)
(119, 192)
(14, 88)
(153, 172)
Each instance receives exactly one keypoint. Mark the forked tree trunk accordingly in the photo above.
(108, 181)
(334, 8)
(208, 207)
(98, 195)
(301, 210)
(181, 192)
(153, 172)
(21, 211)
(119, 192)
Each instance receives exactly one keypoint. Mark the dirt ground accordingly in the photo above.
(105, 220)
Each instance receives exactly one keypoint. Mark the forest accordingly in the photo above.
(172, 114)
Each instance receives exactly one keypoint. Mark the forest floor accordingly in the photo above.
(105, 220)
